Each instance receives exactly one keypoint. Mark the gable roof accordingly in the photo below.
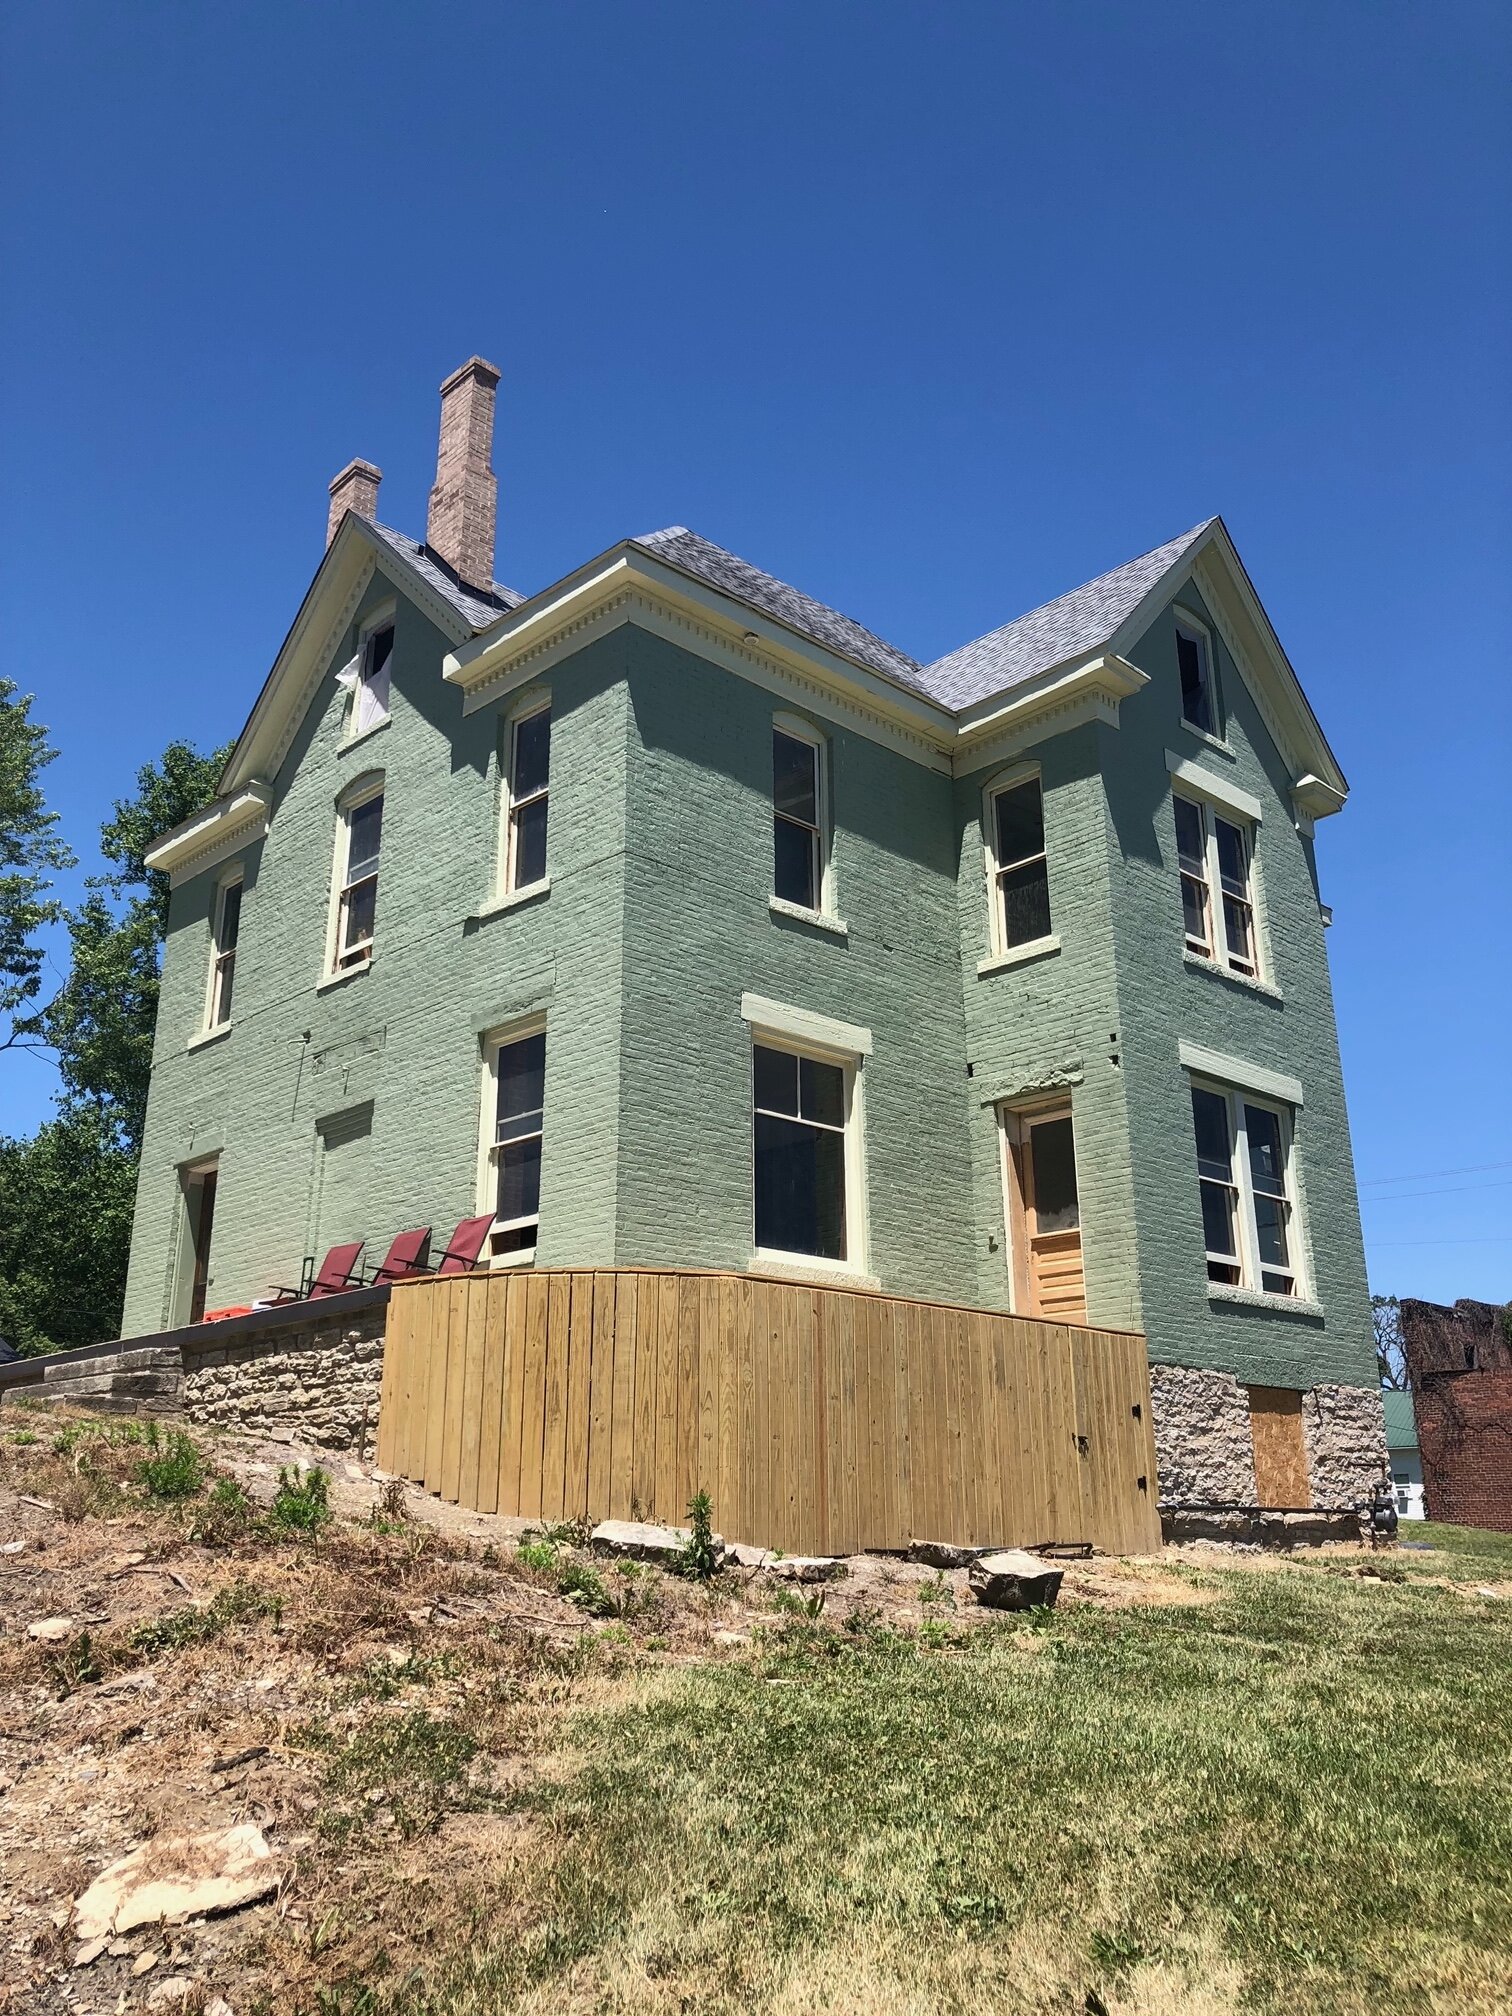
(704, 561)
(1069, 627)
(476, 610)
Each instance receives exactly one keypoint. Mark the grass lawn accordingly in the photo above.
(1291, 1797)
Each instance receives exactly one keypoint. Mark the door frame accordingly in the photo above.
(1015, 1123)
(191, 1178)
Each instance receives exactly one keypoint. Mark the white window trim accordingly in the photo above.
(1203, 633)
(1000, 952)
(233, 878)
(803, 1034)
(799, 730)
(1251, 1269)
(384, 617)
(492, 1041)
(1219, 953)
(1236, 1072)
(358, 793)
(537, 701)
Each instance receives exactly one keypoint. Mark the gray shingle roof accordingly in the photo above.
(476, 610)
(1054, 633)
(684, 550)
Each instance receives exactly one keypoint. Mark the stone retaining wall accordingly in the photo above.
(1205, 1455)
(312, 1381)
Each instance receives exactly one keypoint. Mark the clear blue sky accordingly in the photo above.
(934, 310)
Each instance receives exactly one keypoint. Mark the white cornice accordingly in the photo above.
(221, 829)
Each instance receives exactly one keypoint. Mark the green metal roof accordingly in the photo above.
(1401, 1427)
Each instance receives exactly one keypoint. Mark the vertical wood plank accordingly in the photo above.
(435, 1410)
(579, 1373)
(622, 1409)
(474, 1307)
(643, 1463)
(554, 1445)
(726, 1485)
(708, 1385)
(491, 1296)
(686, 1468)
(456, 1389)
(601, 1398)
(664, 1496)
(533, 1393)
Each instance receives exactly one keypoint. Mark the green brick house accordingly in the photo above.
(671, 917)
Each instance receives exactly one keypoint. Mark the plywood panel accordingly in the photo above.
(1280, 1450)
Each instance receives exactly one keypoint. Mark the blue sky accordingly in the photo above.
(935, 311)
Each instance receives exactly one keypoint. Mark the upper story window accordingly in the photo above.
(798, 852)
(1215, 858)
(1199, 690)
(1017, 864)
(359, 839)
(1244, 1172)
(528, 785)
(803, 1108)
(514, 1109)
(371, 701)
(226, 930)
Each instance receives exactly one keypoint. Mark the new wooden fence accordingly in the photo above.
(819, 1421)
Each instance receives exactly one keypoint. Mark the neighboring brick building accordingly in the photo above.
(1040, 919)
(1459, 1363)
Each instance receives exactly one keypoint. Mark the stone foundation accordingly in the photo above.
(1344, 1428)
(1205, 1455)
(310, 1382)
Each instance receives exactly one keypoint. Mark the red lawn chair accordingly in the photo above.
(461, 1255)
(338, 1272)
(404, 1257)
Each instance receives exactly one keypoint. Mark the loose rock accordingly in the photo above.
(178, 1877)
(1014, 1580)
(805, 1568)
(640, 1541)
(50, 1629)
(944, 1554)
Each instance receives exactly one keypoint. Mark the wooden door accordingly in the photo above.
(1046, 1210)
(202, 1218)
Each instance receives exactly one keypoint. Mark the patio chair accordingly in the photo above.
(338, 1272)
(404, 1257)
(466, 1243)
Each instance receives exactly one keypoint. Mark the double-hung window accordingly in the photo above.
(228, 902)
(1215, 859)
(1199, 689)
(529, 786)
(802, 1115)
(371, 699)
(1244, 1173)
(514, 1114)
(798, 819)
(1018, 866)
(357, 895)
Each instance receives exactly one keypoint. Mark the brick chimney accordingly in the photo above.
(460, 523)
(355, 489)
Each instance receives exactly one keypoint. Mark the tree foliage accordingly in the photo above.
(30, 855)
(66, 1195)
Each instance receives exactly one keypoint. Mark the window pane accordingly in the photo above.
(1236, 925)
(379, 647)
(520, 1178)
(1190, 849)
(793, 878)
(1020, 822)
(1026, 904)
(530, 843)
(1052, 1153)
(1267, 1163)
(532, 753)
(1233, 858)
(800, 1188)
(777, 1080)
(230, 916)
(522, 1082)
(1218, 1218)
(361, 906)
(1214, 1150)
(821, 1092)
(795, 777)
(518, 1239)
(365, 832)
(224, 982)
(1196, 684)
(1270, 1228)
(1194, 908)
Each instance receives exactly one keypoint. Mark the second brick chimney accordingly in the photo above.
(460, 524)
(355, 489)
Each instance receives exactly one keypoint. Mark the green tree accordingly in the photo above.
(66, 1194)
(30, 855)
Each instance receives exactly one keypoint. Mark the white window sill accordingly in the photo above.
(1256, 1298)
(354, 741)
(1020, 955)
(1202, 735)
(512, 899)
(820, 919)
(1200, 963)
(805, 1267)
(524, 1257)
(209, 1036)
(341, 979)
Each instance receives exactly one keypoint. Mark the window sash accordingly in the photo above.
(797, 822)
(1199, 707)
(223, 957)
(373, 679)
(357, 899)
(1025, 876)
(801, 1161)
(1223, 931)
(525, 847)
(515, 1144)
(1257, 1202)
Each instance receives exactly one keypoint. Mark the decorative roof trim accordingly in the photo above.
(1053, 702)
(221, 829)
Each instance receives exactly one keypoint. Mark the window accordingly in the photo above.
(223, 952)
(802, 1107)
(1243, 1158)
(797, 819)
(529, 779)
(371, 700)
(357, 902)
(1213, 853)
(515, 1105)
(1194, 657)
(1020, 872)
